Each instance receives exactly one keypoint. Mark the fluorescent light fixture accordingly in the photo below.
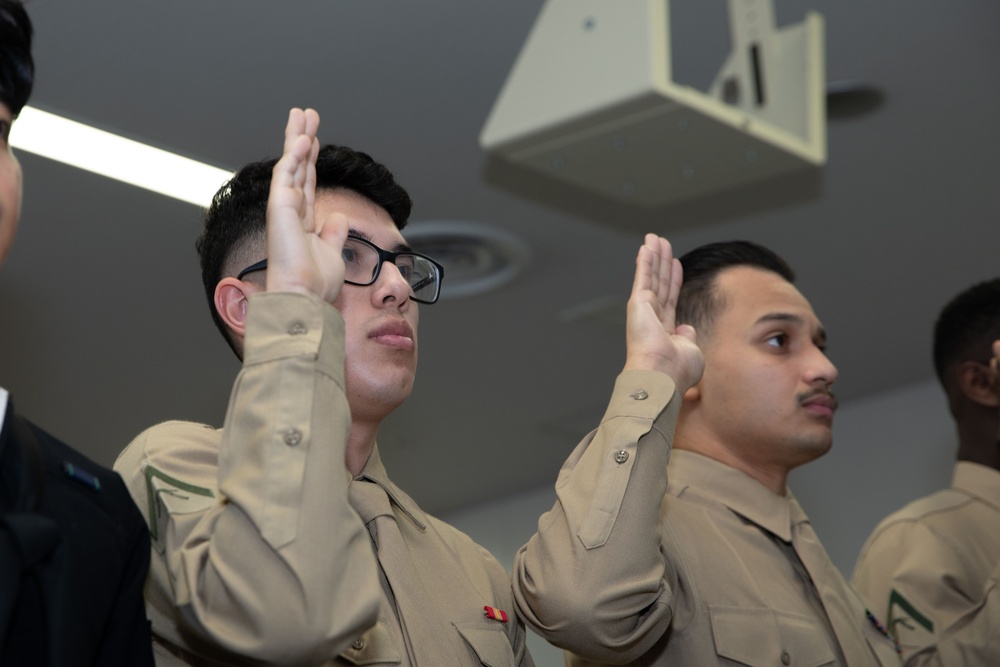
(101, 152)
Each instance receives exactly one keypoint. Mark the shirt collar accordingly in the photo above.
(374, 471)
(736, 490)
(978, 480)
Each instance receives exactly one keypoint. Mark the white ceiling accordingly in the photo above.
(105, 330)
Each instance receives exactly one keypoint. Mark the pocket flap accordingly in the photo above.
(760, 636)
(374, 647)
(490, 645)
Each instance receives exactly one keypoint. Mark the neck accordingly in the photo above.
(773, 477)
(360, 444)
(979, 440)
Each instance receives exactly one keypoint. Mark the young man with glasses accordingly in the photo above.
(280, 538)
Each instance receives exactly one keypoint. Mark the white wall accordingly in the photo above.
(888, 450)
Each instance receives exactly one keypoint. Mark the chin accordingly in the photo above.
(383, 393)
(814, 449)
(395, 394)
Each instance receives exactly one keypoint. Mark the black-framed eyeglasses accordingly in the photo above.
(363, 261)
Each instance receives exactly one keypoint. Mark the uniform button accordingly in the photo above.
(293, 437)
(358, 644)
(297, 329)
(785, 658)
(621, 456)
(640, 395)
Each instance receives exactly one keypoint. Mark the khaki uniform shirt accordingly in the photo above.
(258, 554)
(927, 565)
(624, 570)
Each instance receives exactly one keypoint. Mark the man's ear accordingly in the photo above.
(231, 303)
(977, 383)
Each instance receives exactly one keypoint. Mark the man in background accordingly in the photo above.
(928, 564)
(74, 549)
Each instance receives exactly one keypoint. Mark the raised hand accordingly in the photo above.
(652, 339)
(304, 254)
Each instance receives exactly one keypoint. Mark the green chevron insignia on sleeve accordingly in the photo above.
(906, 613)
(168, 495)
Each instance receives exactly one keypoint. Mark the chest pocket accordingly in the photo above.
(758, 637)
(491, 646)
(374, 647)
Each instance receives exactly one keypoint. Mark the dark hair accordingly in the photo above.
(235, 223)
(699, 301)
(966, 328)
(17, 69)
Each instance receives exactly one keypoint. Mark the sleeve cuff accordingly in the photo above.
(282, 325)
(642, 394)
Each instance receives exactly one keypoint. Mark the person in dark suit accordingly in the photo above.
(74, 549)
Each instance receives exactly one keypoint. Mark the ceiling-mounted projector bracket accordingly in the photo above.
(590, 101)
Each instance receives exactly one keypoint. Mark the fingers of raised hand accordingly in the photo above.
(300, 123)
(301, 147)
(663, 270)
(669, 313)
(658, 272)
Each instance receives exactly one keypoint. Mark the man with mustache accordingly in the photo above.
(709, 560)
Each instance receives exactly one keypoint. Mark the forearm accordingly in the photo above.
(593, 578)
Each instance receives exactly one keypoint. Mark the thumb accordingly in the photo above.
(688, 332)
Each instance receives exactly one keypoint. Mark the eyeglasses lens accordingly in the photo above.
(362, 261)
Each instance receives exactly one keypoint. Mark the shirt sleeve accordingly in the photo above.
(910, 578)
(256, 548)
(915, 580)
(972, 639)
(593, 579)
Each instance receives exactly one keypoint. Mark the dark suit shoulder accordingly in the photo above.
(71, 476)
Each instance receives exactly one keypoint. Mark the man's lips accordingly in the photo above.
(397, 334)
(820, 404)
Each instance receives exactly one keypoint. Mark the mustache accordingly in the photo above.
(806, 396)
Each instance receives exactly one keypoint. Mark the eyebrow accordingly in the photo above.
(791, 319)
(357, 233)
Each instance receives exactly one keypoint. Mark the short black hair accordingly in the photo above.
(699, 301)
(17, 68)
(966, 328)
(235, 223)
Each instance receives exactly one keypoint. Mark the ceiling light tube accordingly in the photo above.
(101, 152)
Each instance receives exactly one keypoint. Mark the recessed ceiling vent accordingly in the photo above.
(476, 257)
